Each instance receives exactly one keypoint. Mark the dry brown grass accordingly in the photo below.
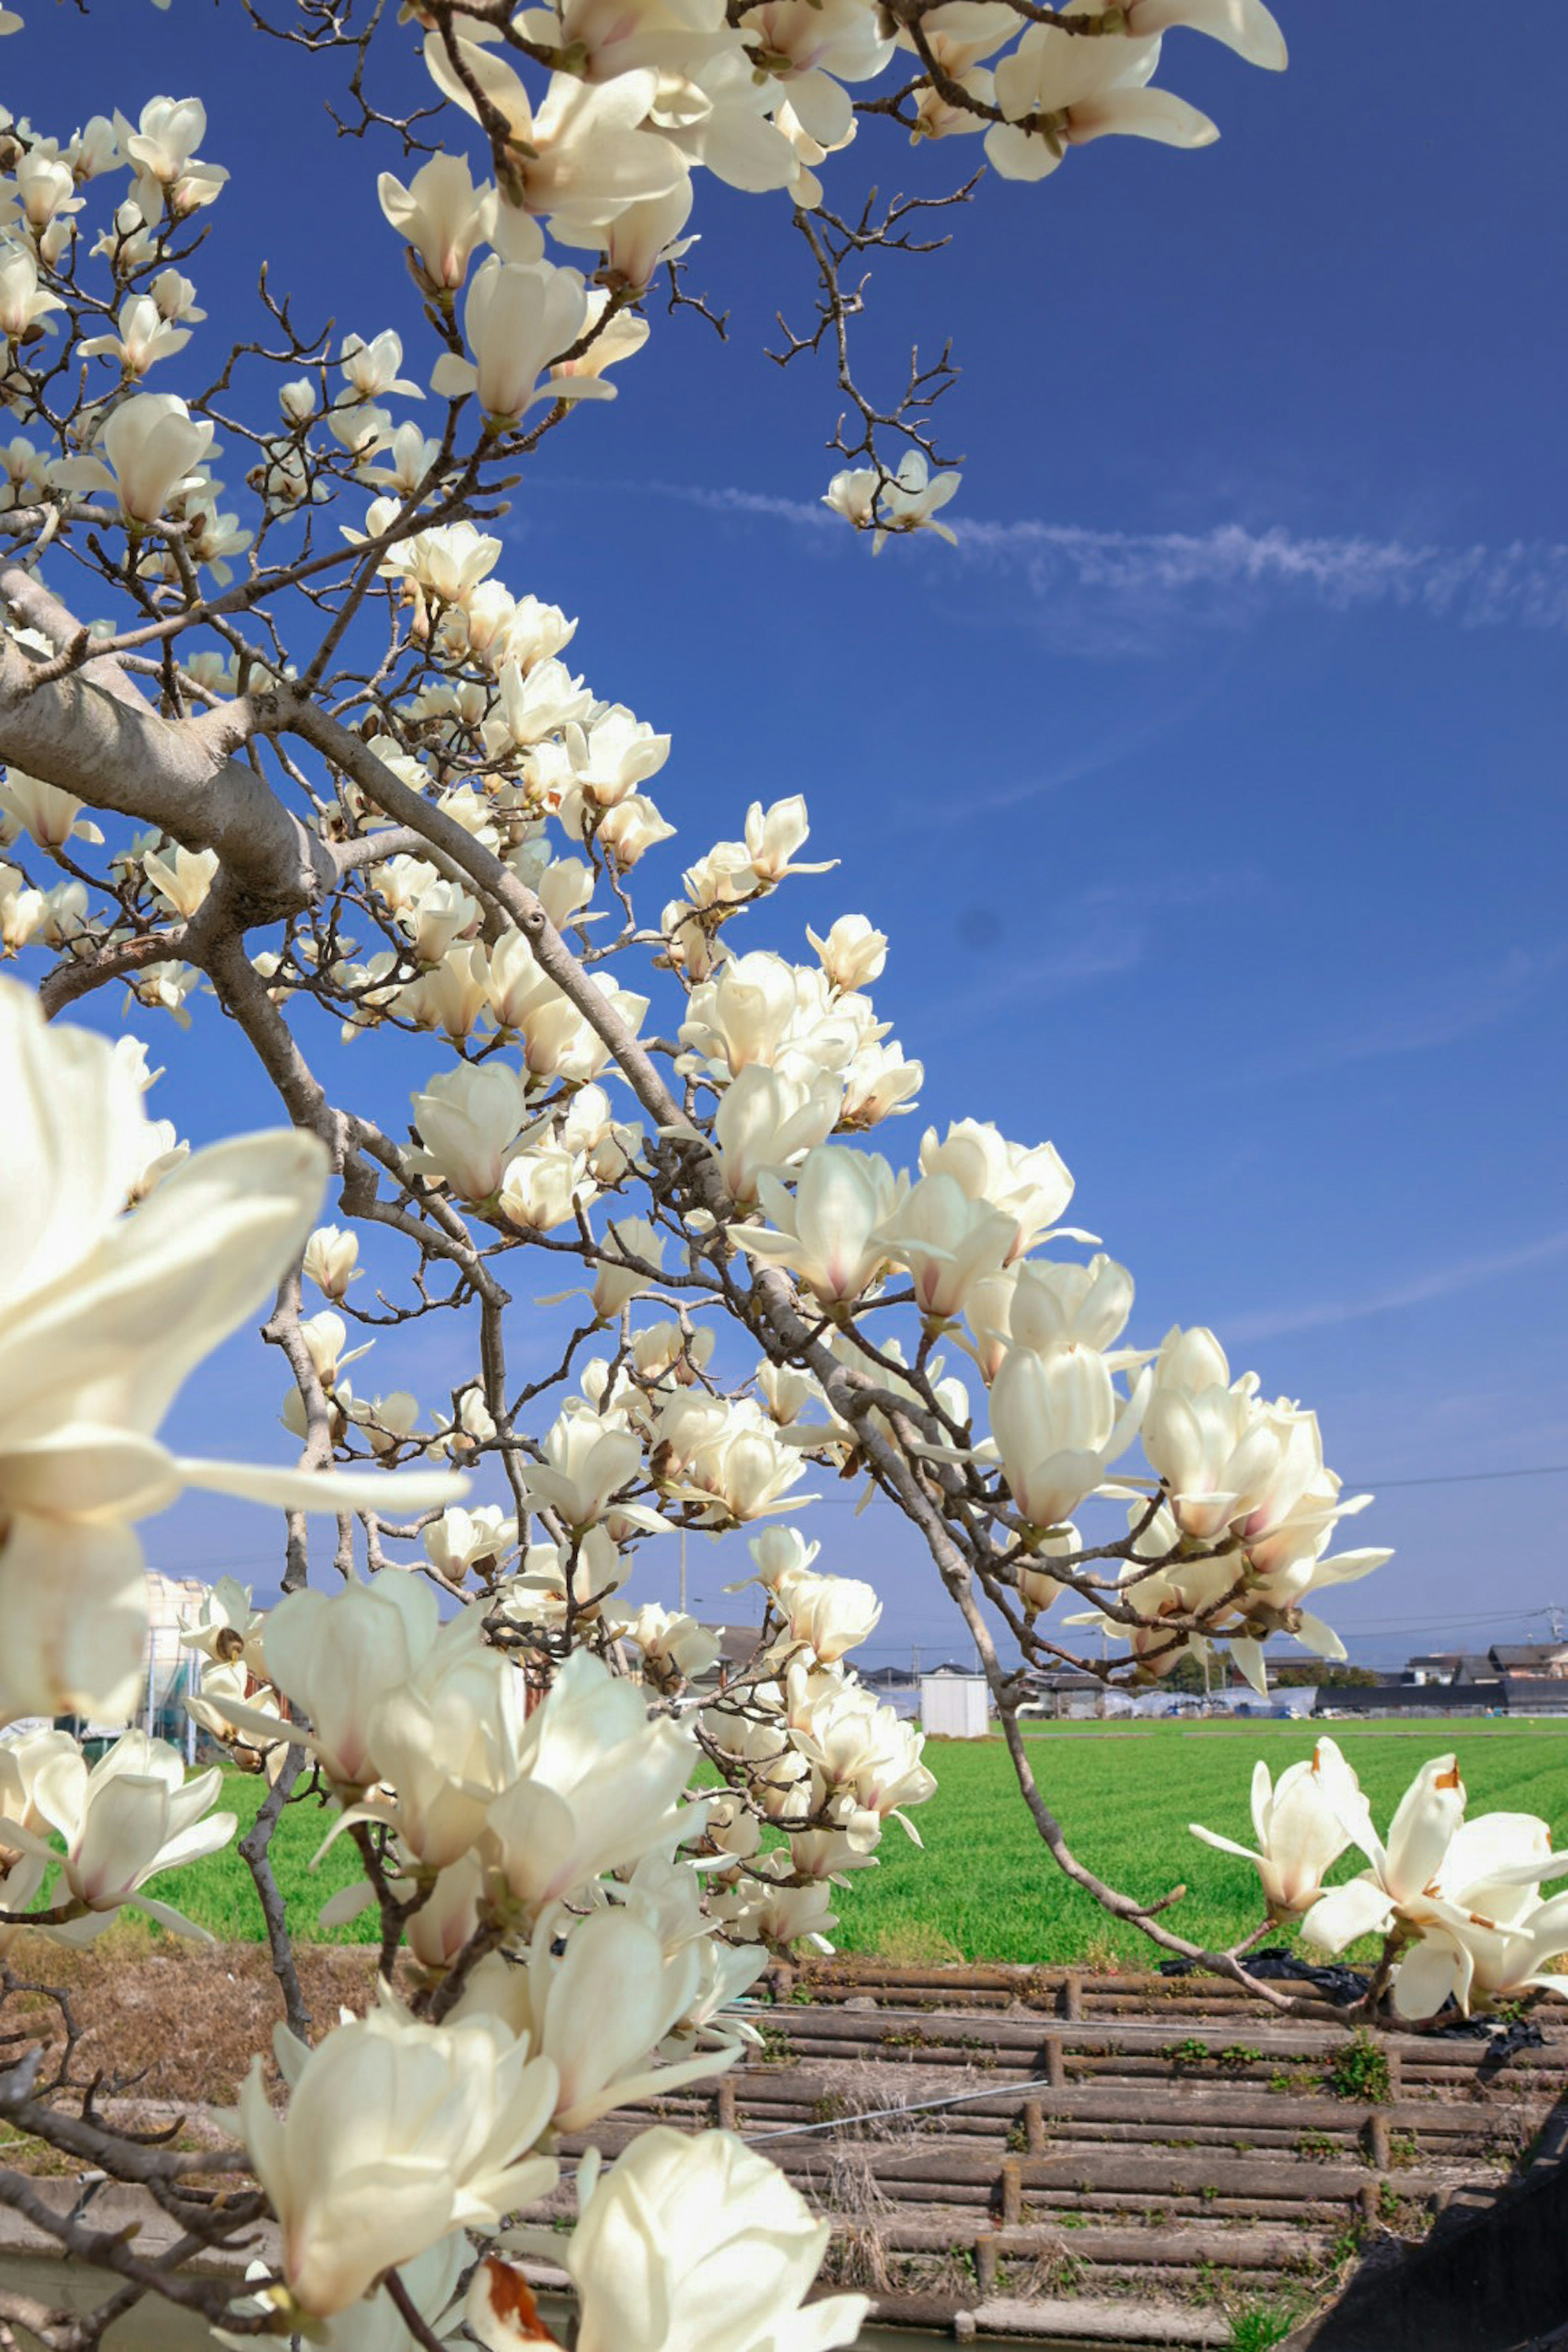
(177, 2022)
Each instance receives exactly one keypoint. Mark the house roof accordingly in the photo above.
(737, 1644)
(1517, 1657)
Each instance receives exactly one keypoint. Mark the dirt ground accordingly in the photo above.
(171, 2022)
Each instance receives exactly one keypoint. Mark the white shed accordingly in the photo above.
(954, 1706)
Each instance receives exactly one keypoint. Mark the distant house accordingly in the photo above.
(1068, 1691)
(1524, 1677)
(1451, 1666)
(1547, 1659)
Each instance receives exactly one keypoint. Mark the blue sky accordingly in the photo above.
(1210, 791)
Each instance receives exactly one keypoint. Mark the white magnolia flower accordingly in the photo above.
(885, 504)
(1030, 1181)
(1299, 1824)
(520, 316)
(443, 215)
(468, 1119)
(769, 1118)
(949, 1243)
(587, 153)
(151, 448)
(131, 1816)
(598, 1786)
(542, 1188)
(599, 2010)
(674, 1647)
(459, 1540)
(1058, 1306)
(865, 1752)
(1243, 26)
(396, 2134)
(833, 1230)
(1466, 1887)
(181, 877)
(337, 1655)
(445, 1743)
(832, 1614)
(226, 1627)
(102, 1317)
(698, 2242)
(1463, 1954)
(852, 953)
(145, 336)
(48, 815)
(1084, 90)
(23, 301)
(1059, 1425)
(23, 1757)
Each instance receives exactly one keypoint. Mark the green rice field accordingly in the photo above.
(985, 1887)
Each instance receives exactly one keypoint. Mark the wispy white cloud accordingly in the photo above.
(1221, 573)
(1468, 1274)
(723, 501)
(1476, 586)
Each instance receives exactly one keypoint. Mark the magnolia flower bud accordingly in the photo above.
(615, 1281)
(331, 1259)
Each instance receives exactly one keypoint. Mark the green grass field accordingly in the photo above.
(985, 1887)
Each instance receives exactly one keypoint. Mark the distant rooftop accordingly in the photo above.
(1530, 1657)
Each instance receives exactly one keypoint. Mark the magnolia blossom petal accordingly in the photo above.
(1361, 1907)
(330, 1492)
(73, 1598)
(1437, 1969)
